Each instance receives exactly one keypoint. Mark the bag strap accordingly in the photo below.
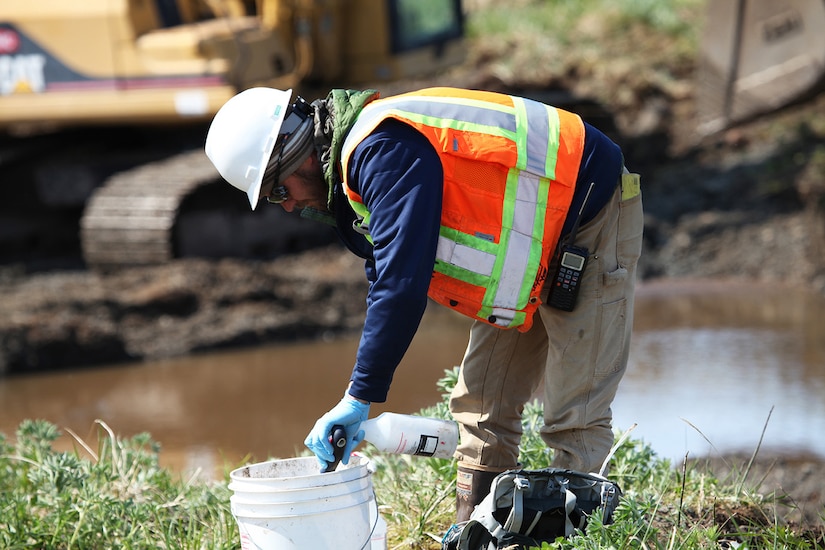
(569, 506)
(533, 524)
(516, 515)
(475, 536)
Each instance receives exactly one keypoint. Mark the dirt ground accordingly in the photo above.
(791, 485)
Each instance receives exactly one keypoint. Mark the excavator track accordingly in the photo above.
(129, 220)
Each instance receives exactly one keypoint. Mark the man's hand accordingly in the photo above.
(349, 413)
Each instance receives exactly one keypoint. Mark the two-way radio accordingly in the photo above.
(572, 260)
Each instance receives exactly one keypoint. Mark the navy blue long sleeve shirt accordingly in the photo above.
(399, 176)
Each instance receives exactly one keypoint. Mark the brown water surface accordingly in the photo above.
(709, 363)
(209, 409)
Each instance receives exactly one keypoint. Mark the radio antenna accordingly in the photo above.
(572, 237)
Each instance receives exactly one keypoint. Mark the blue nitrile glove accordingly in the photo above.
(349, 413)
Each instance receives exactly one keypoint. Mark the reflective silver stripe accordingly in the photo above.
(503, 316)
(465, 110)
(512, 270)
(526, 198)
(465, 257)
(444, 249)
(538, 135)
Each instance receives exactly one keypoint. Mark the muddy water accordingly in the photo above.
(210, 409)
(726, 367)
(712, 366)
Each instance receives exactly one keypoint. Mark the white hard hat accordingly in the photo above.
(243, 134)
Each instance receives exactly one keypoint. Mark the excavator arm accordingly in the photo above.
(757, 56)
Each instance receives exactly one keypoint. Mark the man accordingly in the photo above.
(468, 197)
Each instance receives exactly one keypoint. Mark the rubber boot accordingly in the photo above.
(470, 489)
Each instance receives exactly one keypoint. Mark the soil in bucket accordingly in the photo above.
(288, 505)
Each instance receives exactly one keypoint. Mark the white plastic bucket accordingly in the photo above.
(289, 505)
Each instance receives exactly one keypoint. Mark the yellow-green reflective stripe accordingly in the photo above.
(516, 268)
(522, 124)
(515, 318)
(553, 141)
(367, 122)
(508, 277)
(361, 210)
(455, 100)
(460, 274)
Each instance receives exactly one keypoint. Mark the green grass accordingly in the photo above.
(116, 496)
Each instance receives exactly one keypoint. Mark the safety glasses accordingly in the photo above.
(277, 195)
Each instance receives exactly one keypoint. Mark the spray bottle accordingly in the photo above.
(400, 434)
(411, 435)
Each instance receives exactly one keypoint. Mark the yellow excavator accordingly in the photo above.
(165, 64)
(80, 81)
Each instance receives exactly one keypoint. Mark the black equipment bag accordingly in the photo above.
(526, 507)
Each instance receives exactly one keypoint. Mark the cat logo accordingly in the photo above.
(22, 73)
(19, 72)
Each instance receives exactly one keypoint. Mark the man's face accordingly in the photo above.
(304, 188)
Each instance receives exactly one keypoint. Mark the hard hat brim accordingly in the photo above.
(254, 191)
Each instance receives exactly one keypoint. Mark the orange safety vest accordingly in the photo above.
(510, 166)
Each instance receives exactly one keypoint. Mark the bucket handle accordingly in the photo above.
(368, 542)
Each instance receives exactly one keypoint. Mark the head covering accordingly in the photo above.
(256, 132)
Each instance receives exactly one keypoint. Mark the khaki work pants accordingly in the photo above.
(579, 357)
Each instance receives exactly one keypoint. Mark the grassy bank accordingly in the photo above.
(111, 493)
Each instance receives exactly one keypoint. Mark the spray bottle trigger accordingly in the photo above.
(338, 437)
